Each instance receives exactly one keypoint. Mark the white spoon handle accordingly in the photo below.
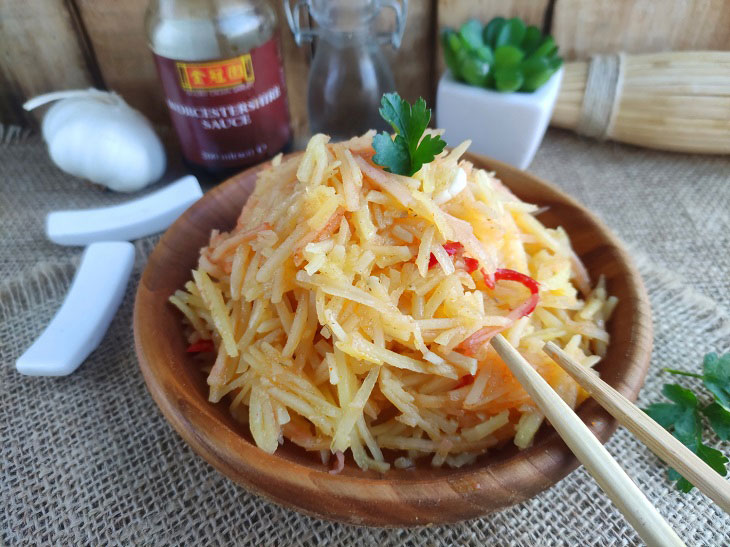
(80, 324)
(132, 220)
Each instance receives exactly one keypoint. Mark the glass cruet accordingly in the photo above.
(349, 72)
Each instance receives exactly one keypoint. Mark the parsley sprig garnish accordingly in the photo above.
(683, 417)
(407, 153)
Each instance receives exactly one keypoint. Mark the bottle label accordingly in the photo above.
(229, 112)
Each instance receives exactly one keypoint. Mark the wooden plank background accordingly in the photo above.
(41, 49)
(117, 36)
(583, 27)
(47, 45)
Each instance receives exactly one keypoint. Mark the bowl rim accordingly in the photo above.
(296, 486)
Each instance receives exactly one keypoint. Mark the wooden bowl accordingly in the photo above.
(298, 480)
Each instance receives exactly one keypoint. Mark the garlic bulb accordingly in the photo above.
(97, 136)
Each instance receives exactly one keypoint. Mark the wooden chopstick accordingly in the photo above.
(658, 439)
(642, 515)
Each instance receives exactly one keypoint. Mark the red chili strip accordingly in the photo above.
(534, 299)
(485, 334)
(451, 248)
(488, 279)
(470, 264)
(201, 346)
(505, 274)
(464, 381)
(512, 275)
(502, 274)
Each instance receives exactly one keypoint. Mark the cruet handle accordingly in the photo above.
(400, 8)
(293, 18)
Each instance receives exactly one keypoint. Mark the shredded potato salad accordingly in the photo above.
(351, 309)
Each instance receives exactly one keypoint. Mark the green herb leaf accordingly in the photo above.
(532, 38)
(534, 65)
(407, 152)
(683, 373)
(683, 485)
(536, 71)
(688, 428)
(719, 419)
(392, 153)
(492, 30)
(511, 33)
(717, 377)
(714, 458)
(474, 71)
(453, 51)
(680, 395)
(555, 63)
(535, 82)
(546, 48)
(506, 56)
(683, 421)
(485, 54)
(683, 416)
(393, 111)
(428, 148)
(508, 79)
(665, 414)
(471, 34)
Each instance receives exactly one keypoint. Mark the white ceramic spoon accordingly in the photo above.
(132, 220)
(78, 327)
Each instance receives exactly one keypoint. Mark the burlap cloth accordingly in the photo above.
(89, 459)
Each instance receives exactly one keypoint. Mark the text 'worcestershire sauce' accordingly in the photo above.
(222, 76)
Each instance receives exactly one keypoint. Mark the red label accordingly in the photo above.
(216, 75)
(230, 112)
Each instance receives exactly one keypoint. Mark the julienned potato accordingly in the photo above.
(351, 308)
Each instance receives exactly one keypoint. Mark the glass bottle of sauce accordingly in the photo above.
(349, 71)
(223, 80)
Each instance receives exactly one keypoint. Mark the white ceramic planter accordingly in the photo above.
(506, 126)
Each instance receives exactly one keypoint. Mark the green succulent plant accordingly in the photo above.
(504, 54)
